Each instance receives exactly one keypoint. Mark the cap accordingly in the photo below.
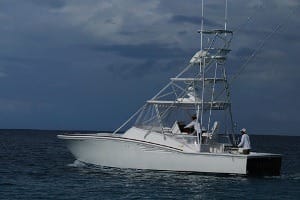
(243, 130)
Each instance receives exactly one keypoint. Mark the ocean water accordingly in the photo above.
(37, 165)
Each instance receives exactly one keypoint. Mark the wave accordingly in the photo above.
(77, 163)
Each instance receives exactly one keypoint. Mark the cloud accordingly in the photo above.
(244, 52)
(55, 4)
(104, 19)
(148, 68)
(68, 54)
(14, 106)
(179, 19)
(141, 51)
(3, 74)
(129, 70)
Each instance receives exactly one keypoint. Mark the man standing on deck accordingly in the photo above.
(195, 124)
(245, 142)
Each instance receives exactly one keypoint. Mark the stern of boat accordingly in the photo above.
(264, 165)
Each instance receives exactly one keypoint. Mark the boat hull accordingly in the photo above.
(128, 153)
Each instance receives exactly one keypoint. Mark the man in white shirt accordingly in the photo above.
(245, 142)
(195, 124)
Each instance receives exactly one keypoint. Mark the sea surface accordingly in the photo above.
(36, 165)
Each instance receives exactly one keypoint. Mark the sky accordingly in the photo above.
(89, 65)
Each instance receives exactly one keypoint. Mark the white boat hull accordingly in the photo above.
(131, 153)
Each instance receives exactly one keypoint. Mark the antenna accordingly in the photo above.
(225, 24)
(202, 21)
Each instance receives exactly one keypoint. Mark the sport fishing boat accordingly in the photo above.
(157, 137)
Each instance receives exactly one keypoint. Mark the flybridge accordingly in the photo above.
(198, 79)
(190, 104)
(215, 31)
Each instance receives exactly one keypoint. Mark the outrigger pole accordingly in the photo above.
(199, 138)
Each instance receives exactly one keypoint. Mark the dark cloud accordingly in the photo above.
(16, 59)
(50, 80)
(132, 70)
(141, 51)
(244, 52)
(50, 3)
(179, 19)
(185, 19)
(182, 32)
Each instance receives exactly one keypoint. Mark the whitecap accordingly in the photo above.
(77, 163)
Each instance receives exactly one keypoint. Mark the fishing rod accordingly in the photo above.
(256, 51)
